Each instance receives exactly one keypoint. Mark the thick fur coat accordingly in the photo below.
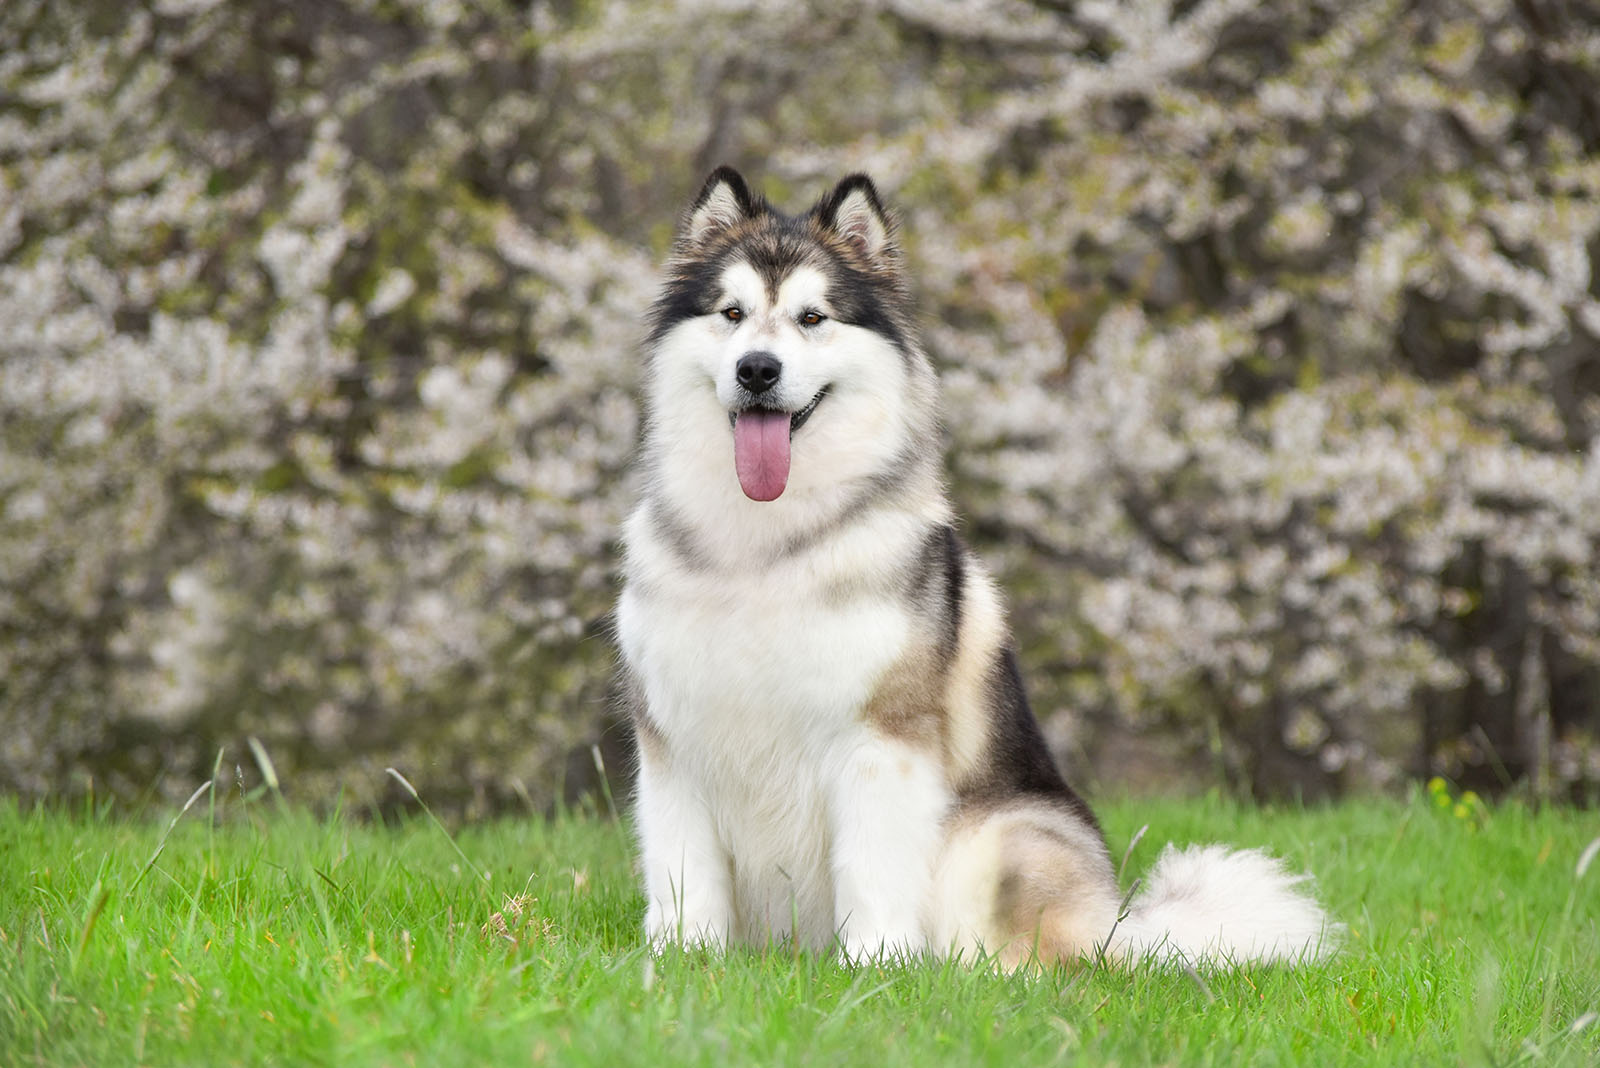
(834, 741)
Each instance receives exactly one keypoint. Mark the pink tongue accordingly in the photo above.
(761, 453)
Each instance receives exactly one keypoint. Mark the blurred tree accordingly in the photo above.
(1269, 334)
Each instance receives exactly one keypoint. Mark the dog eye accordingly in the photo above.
(811, 318)
(733, 314)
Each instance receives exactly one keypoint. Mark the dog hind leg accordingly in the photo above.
(1025, 885)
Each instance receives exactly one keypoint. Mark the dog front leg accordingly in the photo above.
(888, 804)
(686, 870)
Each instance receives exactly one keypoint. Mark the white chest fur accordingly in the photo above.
(753, 666)
(779, 652)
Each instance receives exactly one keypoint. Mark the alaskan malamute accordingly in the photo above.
(834, 743)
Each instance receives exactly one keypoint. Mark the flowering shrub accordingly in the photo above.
(1270, 335)
(309, 435)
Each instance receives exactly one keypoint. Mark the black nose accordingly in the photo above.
(758, 371)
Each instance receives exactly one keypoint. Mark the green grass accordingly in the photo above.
(267, 936)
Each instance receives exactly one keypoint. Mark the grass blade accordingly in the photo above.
(1127, 854)
(412, 790)
(162, 844)
(99, 896)
(1586, 858)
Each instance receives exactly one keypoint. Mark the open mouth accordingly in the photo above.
(796, 419)
(761, 447)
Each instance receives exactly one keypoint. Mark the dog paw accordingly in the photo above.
(663, 943)
(663, 932)
(879, 947)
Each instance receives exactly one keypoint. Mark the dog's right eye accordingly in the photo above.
(733, 315)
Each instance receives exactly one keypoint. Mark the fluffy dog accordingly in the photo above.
(834, 741)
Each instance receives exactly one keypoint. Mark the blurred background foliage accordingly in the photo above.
(1270, 334)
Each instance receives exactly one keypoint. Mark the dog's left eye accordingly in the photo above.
(811, 318)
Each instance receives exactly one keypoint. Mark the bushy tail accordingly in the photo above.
(1212, 904)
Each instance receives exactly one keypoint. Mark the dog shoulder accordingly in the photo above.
(942, 692)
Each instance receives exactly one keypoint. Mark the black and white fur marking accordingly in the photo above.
(835, 745)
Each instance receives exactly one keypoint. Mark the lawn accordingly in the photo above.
(263, 935)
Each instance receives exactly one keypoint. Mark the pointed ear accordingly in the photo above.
(724, 202)
(854, 212)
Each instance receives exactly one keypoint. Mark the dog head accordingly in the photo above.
(783, 347)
